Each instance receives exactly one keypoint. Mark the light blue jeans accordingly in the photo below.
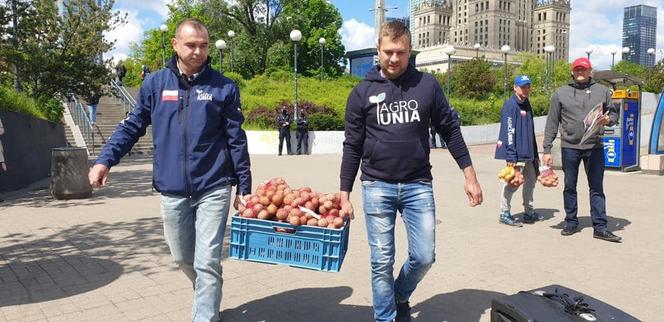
(194, 230)
(415, 202)
(92, 113)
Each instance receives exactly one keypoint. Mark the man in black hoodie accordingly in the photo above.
(386, 128)
(568, 107)
(302, 134)
(283, 122)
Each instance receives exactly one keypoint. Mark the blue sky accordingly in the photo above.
(594, 23)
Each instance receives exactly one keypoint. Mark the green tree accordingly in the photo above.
(59, 54)
(655, 79)
(473, 78)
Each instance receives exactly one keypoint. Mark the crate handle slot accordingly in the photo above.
(282, 230)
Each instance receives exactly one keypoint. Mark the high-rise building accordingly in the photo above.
(523, 25)
(640, 34)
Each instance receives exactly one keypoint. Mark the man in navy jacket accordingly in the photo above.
(387, 136)
(516, 143)
(200, 152)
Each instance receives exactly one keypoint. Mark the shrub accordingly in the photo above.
(237, 78)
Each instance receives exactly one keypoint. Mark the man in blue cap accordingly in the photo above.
(517, 146)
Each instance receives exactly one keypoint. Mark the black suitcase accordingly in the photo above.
(554, 303)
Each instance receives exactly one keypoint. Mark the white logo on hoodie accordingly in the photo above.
(397, 112)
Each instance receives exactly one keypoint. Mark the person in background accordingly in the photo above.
(568, 106)
(92, 101)
(516, 143)
(200, 153)
(302, 134)
(120, 71)
(393, 153)
(283, 124)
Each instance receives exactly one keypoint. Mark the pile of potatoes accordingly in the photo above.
(276, 200)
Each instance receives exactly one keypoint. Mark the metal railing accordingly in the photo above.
(82, 120)
(123, 96)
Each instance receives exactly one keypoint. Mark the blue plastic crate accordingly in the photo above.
(310, 247)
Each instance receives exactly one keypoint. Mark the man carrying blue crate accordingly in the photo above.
(387, 135)
(200, 152)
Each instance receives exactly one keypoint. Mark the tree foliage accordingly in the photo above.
(262, 27)
(58, 53)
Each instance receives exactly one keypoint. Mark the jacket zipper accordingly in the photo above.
(186, 144)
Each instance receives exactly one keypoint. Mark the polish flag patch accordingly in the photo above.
(169, 95)
(523, 113)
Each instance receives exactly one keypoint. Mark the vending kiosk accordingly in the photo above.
(622, 140)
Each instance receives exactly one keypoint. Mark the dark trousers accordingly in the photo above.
(593, 163)
(302, 136)
(284, 133)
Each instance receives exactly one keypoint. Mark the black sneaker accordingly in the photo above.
(532, 218)
(607, 235)
(403, 312)
(568, 230)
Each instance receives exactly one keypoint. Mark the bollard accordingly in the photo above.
(69, 173)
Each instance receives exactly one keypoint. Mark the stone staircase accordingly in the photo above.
(109, 113)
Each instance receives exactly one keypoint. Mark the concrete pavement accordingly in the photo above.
(104, 259)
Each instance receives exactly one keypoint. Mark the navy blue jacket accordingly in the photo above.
(387, 128)
(516, 141)
(199, 143)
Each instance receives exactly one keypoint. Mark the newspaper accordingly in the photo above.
(591, 123)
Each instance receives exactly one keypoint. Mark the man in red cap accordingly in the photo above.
(568, 107)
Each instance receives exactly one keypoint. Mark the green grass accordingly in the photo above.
(20, 103)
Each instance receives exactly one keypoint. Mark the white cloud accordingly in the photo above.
(125, 36)
(156, 6)
(357, 35)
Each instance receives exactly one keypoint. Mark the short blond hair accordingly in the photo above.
(394, 29)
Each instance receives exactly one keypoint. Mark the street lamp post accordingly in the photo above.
(549, 65)
(613, 57)
(295, 36)
(220, 44)
(477, 47)
(164, 29)
(321, 41)
(625, 51)
(231, 34)
(651, 53)
(449, 51)
(505, 49)
(589, 51)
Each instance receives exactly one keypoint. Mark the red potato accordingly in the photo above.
(328, 204)
(257, 208)
(322, 222)
(338, 222)
(294, 220)
(263, 214)
(309, 205)
(254, 200)
(312, 222)
(272, 209)
(288, 198)
(249, 213)
(265, 201)
(303, 220)
(334, 212)
(322, 210)
(281, 214)
(278, 199)
(296, 212)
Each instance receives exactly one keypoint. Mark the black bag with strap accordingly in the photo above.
(554, 303)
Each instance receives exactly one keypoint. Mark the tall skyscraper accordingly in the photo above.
(640, 34)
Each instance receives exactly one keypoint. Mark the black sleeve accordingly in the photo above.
(354, 125)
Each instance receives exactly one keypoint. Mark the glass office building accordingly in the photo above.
(640, 34)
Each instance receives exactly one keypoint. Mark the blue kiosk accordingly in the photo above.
(657, 132)
(622, 141)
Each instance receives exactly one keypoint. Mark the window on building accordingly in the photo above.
(544, 16)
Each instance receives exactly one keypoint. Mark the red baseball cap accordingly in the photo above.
(581, 62)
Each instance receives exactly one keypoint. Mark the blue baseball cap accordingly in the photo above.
(522, 80)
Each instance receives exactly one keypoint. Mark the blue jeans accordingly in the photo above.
(92, 113)
(381, 201)
(593, 162)
(194, 230)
